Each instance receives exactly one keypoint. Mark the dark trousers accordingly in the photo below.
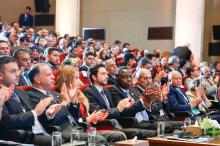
(140, 133)
(170, 126)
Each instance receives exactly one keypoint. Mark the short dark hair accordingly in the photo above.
(51, 49)
(87, 53)
(35, 70)
(5, 60)
(119, 70)
(28, 7)
(3, 41)
(94, 70)
(17, 52)
(127, 57)
(150, 56)
(189, 70)
(144, 61)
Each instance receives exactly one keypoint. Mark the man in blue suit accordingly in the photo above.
(178, 100)
(26, 19)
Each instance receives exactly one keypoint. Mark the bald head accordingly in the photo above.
(111, 66)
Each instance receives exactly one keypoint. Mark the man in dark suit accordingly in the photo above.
(100, 98)
(88, 61)
(111, 69)
(177, 98)
(23, 60)
(17, 111)
(26, 19)
(141, 110)
(43, 80)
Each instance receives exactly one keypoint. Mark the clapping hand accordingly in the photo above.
(42, 105)
(99, 115)
(53, 109)
(5, 93)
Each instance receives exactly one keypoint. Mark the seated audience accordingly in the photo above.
(100, 98)
(43, 80)
(68, 82)
(17, 111)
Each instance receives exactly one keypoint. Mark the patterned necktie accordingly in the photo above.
(105, 99)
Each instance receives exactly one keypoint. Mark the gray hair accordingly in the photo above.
(171, 74)
(140, 71)
(173, 59)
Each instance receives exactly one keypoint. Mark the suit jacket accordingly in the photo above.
(25, 22)
(119, 95)
(13, 115)
(22, 81)
(61, 118)
(83, 68)
(96, 101)
(111, 80)
(177, 101)
(154, 112)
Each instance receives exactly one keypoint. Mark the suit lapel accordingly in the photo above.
(121, 91)
(24, 99)
(99, 97)
(22, 81)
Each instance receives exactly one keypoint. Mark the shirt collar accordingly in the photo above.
(99, 88)
(43, 91)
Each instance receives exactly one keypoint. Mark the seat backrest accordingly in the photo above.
(62, 57)
(84, 78)
(25, 88)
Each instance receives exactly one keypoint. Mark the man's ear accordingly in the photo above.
(37, 79)
(94, 77)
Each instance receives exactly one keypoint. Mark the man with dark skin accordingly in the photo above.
(139, 110)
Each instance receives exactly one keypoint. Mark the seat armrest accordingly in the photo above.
(51, 129)
(106, 124)
(127, 122)
(20, 136)
(181, 115)
(84, 125)
(171, 116)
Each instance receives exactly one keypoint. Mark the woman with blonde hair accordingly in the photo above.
(68, 83)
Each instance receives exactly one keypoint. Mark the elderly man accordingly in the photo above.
(178, 100)
(111, 69)
(141, 109)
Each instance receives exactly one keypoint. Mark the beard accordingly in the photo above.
(102, 83)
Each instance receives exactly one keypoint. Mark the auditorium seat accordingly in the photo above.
(62, 57)
(83, 76)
